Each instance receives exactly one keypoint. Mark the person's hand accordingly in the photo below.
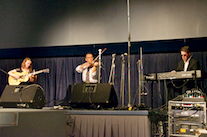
(31, 76)
(87, 64)
(173, 71)
(17, 76)
(95, 64)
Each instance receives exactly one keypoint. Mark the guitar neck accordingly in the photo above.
(35, 73)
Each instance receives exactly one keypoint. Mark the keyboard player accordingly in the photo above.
(187, 63)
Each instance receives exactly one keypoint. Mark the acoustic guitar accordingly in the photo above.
(24, 76)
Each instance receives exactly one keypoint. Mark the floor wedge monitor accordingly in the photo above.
(86, 95)
(22, 96)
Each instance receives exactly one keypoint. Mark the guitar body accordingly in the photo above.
(14, 81)
(24, 76)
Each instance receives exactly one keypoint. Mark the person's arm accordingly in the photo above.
(11, 73)
(193, 64)
(78, 69)
(81, 67)
(196, 66)
(180, 66)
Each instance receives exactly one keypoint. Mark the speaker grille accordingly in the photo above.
(104, 95)
(28, 96)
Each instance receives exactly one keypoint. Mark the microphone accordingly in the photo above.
(139, 61)
(122, 55)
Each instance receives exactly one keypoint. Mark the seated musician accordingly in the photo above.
(88, 69)
(187, 63)
(16, 74)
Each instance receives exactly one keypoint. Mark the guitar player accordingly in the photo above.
(187, 63)
(26, 67)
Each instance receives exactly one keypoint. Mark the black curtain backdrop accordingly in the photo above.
(62, 74)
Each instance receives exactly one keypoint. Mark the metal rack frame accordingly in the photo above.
(185, 109)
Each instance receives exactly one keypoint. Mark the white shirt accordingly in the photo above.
(92, 76)
(186, 64)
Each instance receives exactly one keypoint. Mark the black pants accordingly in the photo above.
(179, 87)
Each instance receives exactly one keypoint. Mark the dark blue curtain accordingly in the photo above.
(62, 74)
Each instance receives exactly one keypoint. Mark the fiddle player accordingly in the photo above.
(187, 63)
(26, 68)
(88, 69)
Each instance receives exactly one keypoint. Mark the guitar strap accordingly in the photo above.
(4, 71)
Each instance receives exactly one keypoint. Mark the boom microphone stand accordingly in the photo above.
(129, 45)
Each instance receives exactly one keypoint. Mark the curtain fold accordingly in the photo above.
(110, 126)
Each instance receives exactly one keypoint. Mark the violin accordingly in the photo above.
(95, 60)
(92, 64)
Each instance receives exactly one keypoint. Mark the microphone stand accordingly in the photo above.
(112, 72)
(141, 87)
(195, 80)
(122, 80)
(99, 63)
(129, 46)
(141, 82)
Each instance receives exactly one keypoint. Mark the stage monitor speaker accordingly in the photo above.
(102, 94)
(23, 96)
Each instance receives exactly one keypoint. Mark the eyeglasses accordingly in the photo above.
(184, 55)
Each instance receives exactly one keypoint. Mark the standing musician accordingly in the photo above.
(187, 63)
(26, 68)
(88, 69)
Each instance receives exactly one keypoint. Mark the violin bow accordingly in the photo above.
(98, 55)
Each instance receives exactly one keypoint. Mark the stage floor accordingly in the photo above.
(63, 122)
(16, 122)
(107, 112)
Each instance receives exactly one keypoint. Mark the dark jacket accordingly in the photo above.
(193, 65)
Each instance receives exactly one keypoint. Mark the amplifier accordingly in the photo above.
(184, 118)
